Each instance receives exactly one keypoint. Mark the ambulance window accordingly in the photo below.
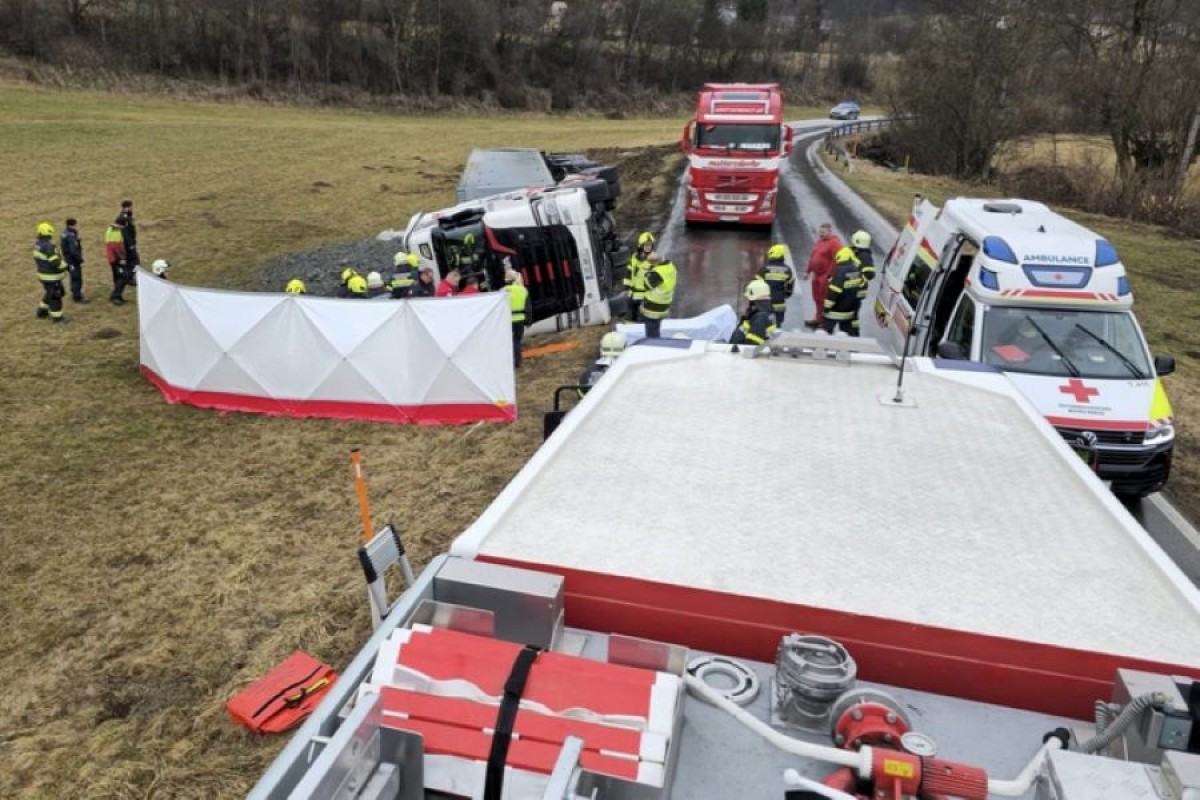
(962, 326)
(914, 282)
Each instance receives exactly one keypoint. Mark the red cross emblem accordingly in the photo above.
(1081, 392)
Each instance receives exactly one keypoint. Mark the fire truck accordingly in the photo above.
(734, 146)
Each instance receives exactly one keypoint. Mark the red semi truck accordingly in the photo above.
(734, 146)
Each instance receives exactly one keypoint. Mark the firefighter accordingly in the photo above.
(611, 347)
(758, 323)
(780, 277)
(846, 290)
(51, 271)
(72, 253)
(405, 276)
(114, 252)
(348, 273)
(520, 310)
(129, 235)
(820, 268)
(860, 243)
(161, 268)
(296, 286)
(375, 287)
(661, 279)
(635, 274)
(356, 287)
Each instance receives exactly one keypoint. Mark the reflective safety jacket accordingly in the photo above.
(660, 290)
(402, 282)
(114, 245)
(867, 259)
(846, 290)
(782, 280)
(635, 276)
(49, 263)
(518, 302)
(757, 326)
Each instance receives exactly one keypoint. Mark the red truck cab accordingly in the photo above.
(735, 145)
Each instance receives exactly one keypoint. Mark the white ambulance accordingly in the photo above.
(1013, 286)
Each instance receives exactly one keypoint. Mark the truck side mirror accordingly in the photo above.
(686, 141)
(952, 351)
(1164, 365)
(787, 139)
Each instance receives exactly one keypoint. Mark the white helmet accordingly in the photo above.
(612, 345)
(757, 289)
(374, 280)
(160, 266)
(861, 240)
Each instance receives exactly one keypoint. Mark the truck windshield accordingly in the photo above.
(1087, 344)
(760, 138)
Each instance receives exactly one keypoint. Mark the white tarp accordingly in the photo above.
(716, 324)
(429, 360)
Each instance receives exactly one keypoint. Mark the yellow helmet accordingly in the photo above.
(296, 286)
(777, 252)
(45, 230)
(347, 274)
(757, 289)
(844, 255)
(645, 238)
(861, 240)
(402, 258)
(612, 344)
(357, 284)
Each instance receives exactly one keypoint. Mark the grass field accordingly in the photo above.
(158, 558)
(1161, 267)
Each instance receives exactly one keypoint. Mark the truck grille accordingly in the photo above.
(1107, 437)
(733, 182)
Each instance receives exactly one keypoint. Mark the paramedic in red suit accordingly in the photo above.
(820, 268)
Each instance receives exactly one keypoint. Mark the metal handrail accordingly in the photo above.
(839, 151)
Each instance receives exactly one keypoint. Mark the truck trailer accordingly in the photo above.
(735, 144)
(792, 571)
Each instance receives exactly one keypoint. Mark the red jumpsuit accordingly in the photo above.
(820, 266)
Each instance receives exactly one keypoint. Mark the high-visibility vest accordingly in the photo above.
(518, 298)
(635, 281)
(114, 244)
(658, 298)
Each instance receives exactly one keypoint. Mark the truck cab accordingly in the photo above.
(1014, 286)
(735, 144)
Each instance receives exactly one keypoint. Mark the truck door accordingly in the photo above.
(904, 275)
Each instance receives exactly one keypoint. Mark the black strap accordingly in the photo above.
(514, 687)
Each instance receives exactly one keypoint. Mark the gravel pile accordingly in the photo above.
(321, 269)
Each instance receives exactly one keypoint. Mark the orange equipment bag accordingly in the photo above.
(285, 696)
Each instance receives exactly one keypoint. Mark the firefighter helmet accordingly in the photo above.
(861, 240)
(374, 280)
(296, 286)
(45, 230)
(402, 258)
(357, 284)
(843, 256)
(777, 252)
(347, 274)
(645, 238)
(512, 276)
(160, 266)
(757, 289)
(612, 345)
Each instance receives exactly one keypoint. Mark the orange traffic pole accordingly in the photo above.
(360, 486)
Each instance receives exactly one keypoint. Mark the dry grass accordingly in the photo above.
(1088, 154)
(1161, 266)
(159, 558)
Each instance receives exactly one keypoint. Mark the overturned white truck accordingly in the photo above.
(556, 230)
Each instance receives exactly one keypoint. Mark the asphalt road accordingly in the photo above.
(716, 262)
